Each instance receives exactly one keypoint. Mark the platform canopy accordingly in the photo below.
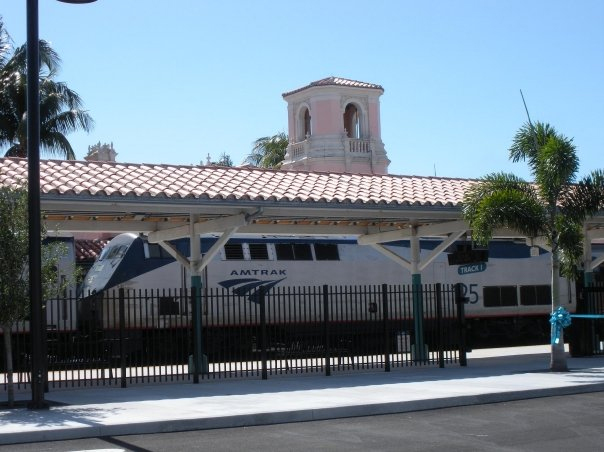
(166, 201)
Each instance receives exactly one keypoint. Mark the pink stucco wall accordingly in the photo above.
(374, 120)
(326, 117)
(291, 124)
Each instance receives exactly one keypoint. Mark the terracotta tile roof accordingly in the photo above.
(134, 180)
(336, 81)
(87, 250)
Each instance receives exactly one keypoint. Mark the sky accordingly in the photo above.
(171, 82)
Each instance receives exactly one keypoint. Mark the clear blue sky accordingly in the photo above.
(170, 82)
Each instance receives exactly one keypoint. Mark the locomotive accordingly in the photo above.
(508, 296)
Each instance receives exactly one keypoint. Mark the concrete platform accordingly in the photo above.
(493, 375)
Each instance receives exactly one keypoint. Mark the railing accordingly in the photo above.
(298, 150)
(351, 145)
(127, 337)
(359, 146)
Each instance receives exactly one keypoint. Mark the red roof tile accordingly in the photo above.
(336, 81)
(107, 179)
(88, 250)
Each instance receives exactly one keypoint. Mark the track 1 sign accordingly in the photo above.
(471, 268)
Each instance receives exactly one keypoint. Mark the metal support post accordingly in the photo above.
(460, 300)
(326, 330)
(386, 326)
(418, 302)
(35, 250)
(263, 345)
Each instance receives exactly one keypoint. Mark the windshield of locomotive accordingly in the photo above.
(100, 273)
(113, 252)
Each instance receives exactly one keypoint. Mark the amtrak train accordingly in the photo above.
(507, 294)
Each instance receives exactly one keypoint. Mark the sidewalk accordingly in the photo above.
(493, 375)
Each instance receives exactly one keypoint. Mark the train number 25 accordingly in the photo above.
(469, 290)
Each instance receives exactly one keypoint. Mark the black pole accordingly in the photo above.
(33, 168)
(122, 336)
(326, 330)
(196, 320)
(439, 326)
(460, 300)
(263, 354)
(386, 327)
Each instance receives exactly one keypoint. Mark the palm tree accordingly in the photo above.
(268, 152)
(60, 107)
(554, 207)
(4, 43)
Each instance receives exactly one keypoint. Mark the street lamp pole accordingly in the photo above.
(37, 335)
(33, 174)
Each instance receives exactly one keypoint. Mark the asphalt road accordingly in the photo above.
(550, 424)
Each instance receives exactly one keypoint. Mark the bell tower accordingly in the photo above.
(334, 126)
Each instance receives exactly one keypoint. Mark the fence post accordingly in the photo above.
(44, 346)
(122, 324)
(386, 321)
(263, 358)
(460, 300)
(195, 302)
(439, 325)
(326, 330)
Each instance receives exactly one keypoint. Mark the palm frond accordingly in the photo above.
(5, 44)
(586, 198)
(570, 243)
(556, 166)
(56, 144)
(268, 152)
(61, 109)
(503, 200)
(528, 140)
(50, 62)
(16, 150)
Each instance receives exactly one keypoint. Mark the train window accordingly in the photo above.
(116, 252)
(326, 252)
(167, 306)
(157, 252)
(293, 251)
(104, 252)
(535, 295)
(258, 251)
(497, 296)
(233, 251)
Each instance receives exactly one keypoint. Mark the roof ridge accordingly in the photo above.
(240, 169)
(336, 81)
(168, 181)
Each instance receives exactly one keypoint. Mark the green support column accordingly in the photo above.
(194, 242)
(418, 317)
(197, 338)
(418, 302)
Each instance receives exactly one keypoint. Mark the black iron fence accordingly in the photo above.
(123, 337)
(587, 333)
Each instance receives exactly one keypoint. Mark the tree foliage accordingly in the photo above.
(13, 256)
(14, 270)
(224, 160)
(552, 207)
(61, 110)
(268, 152)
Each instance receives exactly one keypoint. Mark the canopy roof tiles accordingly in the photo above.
(144, 181)
(88, 250)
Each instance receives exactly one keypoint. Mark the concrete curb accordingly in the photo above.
(248, 420)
